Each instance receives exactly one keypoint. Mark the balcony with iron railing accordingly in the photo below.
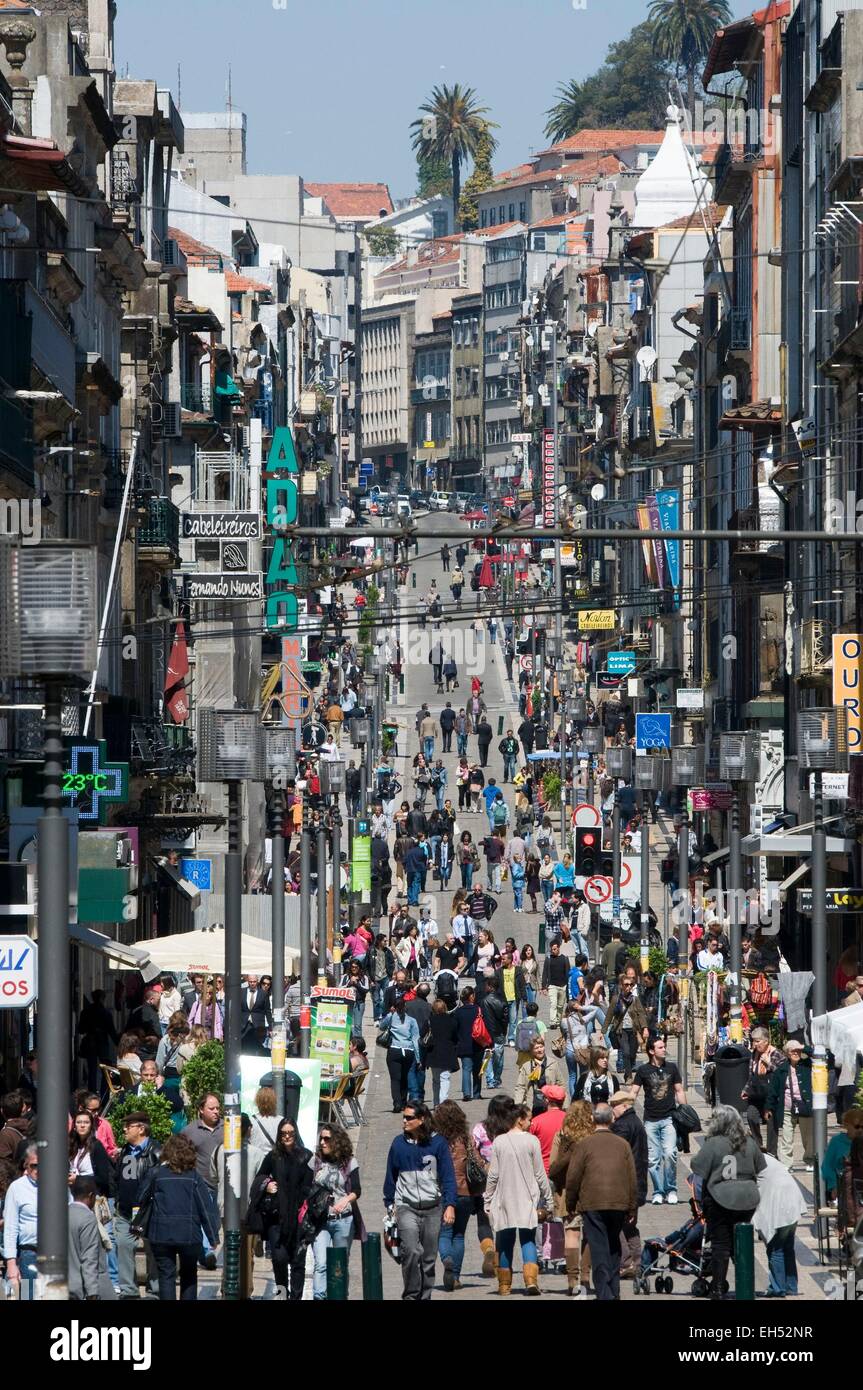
(159, 533)
(740, 329)
(197, 396)
(734, 167)
(756, 558)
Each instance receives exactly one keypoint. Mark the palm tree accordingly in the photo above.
(565, 115)
(452, 129)
(683, 31)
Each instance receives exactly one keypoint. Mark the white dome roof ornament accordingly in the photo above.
(670, 187)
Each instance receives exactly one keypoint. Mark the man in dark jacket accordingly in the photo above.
(416, 867)
(508, 656)
(446, 719)
(417, 821)
(18, 1129)
(257, 1015)
(96, 1032)
(137, 1156)
(484, 735)
(526, 734)
(496, 1018)
(508, 748)
(382, 874)
(145, 1019)
(629, 1127)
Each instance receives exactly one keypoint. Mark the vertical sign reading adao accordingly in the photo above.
(282, 608)
(847, 683)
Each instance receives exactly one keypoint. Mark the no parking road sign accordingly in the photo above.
(17, 972)
(597, 890)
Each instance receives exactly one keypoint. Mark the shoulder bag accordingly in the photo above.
(476, 1170)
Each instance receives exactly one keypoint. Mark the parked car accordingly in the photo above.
(403, 506)
(440, 501)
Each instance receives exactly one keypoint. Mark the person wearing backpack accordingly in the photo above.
(527, 1030)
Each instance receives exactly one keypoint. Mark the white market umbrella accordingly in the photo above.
(841, 1030)
(203, 953)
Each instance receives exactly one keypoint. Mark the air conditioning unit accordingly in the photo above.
(503, 357)
(172, 422)
(172, 256)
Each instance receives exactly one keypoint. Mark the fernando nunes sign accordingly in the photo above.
(17, 972)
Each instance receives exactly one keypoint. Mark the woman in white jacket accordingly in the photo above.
(517, 1195)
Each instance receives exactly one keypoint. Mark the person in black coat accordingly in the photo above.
(629, 1127)
(88, 1157)
(281, 1186)
(441, 1054)
(257, 1015)
(96, 1032)
(469, 1053)
(484, 735)
(526, 735)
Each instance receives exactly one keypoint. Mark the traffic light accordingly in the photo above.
(587, 847)
(606, 863)
(668, 870)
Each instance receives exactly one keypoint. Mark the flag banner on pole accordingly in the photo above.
(175, 696)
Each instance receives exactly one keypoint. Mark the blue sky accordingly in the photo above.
(331, 86)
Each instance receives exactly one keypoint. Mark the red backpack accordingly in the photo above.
(479, 1032)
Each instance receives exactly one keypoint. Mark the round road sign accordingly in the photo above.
(586, 815)
(625, 874)
(597, 890)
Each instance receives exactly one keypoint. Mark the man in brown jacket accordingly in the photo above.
(601, 1184)
(18, 1128)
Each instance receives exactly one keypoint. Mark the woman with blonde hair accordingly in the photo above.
(577, 1125)
(265, 1122)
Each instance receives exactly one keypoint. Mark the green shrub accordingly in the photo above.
(551, 790)
(657, 962)
(158, 1108)
(204, 1072)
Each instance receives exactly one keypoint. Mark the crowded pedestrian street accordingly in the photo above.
(431, 643)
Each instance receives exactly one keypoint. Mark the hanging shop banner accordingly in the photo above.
(692, 699)
(652, 731)
(227, 587)
(220, 526)
(332, 1020)
(361, 865)
(834, 785)
(658, 546)
(549, 501)
(668, 506)
(294, 688)
(282, 468)
(643, 514)
(607, 680)
(848, 683)
(716, 796)
(806, 435)
(835, 899)
(621, 663)
(597, 620)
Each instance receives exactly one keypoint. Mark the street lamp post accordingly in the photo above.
(687, 764)
(619, 764)
(822, 746)
(735, 766)
(48, 603)
(231, 750)
(645, 779)
(280, 745)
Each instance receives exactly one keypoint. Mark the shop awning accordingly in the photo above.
(119, 955)
(800, 872)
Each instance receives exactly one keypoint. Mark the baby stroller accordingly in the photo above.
(685, 1251)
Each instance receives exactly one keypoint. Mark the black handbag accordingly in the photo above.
(686, 1119)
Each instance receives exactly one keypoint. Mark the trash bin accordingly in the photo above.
(732, 1073)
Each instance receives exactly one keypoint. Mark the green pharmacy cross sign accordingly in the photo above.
(282, 610)
(91, 784)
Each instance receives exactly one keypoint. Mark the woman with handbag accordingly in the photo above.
(471, 1172)
(577, 1125)
(278, 1197)
(444, 859)
(336, 1170)
(174, 1208)
(574, 1030)
(598, 1083)
(476, 784)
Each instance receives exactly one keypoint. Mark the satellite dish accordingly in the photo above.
(645, 357)
(597, 492)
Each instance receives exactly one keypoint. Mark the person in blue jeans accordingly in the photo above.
(663, 1089)
(335, 1169)
(416, 865)
(517, 1196)
(517, 874)
(450, 1122)
(780, 1206)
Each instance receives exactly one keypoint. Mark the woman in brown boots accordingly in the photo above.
(517, 1199)
(577, 1125)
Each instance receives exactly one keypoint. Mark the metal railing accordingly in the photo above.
(740, 335)
(161, 529)
(197, 396)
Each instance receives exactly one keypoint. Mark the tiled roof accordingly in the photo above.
(713, 213)
(353, 199)
(516, 172)
(608, 140)
(580, 172)
(241, 284)
(559, 221)
(756, 412)
(496, 231)
(196, 252)
(522, 181)
(440, 251)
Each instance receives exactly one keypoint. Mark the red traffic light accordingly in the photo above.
(588, 838)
